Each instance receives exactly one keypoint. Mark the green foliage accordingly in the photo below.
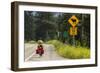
(69, 51)
(31, 42)
(74, 52)
(54, 25)
(56, 43)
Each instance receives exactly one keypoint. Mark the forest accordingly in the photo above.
(54, 25)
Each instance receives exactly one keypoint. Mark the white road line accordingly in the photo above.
(29, 57)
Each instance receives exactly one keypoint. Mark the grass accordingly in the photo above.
(69, 51)
(56, 43)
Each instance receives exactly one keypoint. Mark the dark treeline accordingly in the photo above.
(54, 25)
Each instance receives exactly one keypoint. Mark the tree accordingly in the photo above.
(55, 25)
(29, 25)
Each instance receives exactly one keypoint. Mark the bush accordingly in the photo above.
(56, 43)
(69, 51)
(74, 52)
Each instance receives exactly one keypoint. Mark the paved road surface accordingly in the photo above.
(49, 53)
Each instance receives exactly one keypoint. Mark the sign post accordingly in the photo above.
(73, 30)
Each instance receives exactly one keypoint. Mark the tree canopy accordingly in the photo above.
(55, 25)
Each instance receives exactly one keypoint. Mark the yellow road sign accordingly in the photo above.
(73, 31)
(73, 21)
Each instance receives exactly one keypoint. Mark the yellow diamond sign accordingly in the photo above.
(73, 21)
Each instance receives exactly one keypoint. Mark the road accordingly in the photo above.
(49, 53)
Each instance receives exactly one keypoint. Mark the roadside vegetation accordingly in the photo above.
(69, 51)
